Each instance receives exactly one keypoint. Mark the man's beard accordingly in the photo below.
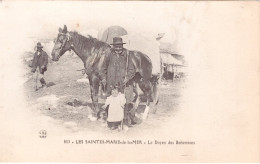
(118, 51)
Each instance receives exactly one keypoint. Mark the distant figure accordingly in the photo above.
(116, 102)
(39, 65)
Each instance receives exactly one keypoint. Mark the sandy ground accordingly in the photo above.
(70, 86)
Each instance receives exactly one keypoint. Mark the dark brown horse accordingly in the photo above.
(92, 52)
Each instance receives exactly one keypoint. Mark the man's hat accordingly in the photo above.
(117, 41)
(39, 45)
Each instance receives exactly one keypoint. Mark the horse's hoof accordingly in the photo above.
(138, 115)
(119, 128)
(146, 111)
(93, 119)
(144, 117)
(125, 129)
(104, 125)
(101, 120)
(113, 128)
(156, 103)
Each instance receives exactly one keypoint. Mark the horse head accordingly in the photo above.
(62, 44)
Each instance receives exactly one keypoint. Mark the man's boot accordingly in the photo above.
(43, 82)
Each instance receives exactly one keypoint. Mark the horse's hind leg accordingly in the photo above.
(136, 98)
(146, 88)
(155, 88)
(147, 107)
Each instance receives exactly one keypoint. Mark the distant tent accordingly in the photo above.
(169, 54)
(170, 59)
(174, 65)
(109, 33)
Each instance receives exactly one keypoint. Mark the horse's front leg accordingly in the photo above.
(94, 88)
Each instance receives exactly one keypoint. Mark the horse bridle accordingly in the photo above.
(68, 38)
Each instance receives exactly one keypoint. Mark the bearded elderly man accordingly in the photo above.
(118, 69)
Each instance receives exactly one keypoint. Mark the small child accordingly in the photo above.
(116, 102)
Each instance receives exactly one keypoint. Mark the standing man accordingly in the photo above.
(40, 61)
(118, 69)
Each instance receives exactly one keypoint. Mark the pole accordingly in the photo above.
(127, 54)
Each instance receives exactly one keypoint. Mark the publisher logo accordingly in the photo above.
(42, 133)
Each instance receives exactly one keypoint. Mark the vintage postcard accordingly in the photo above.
(133, 82)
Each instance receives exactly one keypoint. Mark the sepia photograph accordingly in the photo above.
(129, 81)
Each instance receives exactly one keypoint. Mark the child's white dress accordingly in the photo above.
(116, 107)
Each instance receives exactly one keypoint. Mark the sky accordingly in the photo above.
(23, 24)
(42, 19)
(144, 17)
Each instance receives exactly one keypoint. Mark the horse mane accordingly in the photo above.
(86, 42)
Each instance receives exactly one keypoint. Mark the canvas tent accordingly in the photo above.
(171, 61)
(109, 33)
(169, 55)
(146, 44)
